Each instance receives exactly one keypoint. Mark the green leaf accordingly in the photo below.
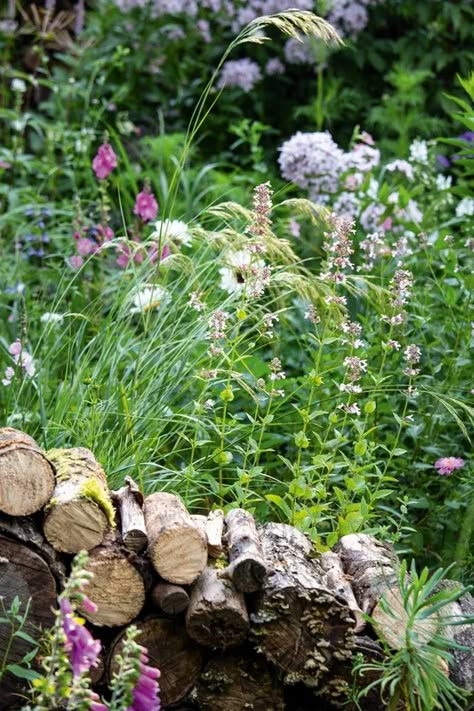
(22, 673)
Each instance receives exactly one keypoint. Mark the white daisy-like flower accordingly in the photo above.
(236, 272)
(173, 231)
(148, 298)
(53, 319)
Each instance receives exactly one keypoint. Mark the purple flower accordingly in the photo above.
(446, 465)
(243, 73)
(82, 648)
(146, 206)
(146, 694)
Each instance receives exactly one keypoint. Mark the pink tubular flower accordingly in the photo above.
(104, 162)
(146, 694)
(146, 207)
(446, 465)
(82, 648)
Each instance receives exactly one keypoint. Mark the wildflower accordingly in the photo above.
(336, 300)
(403, 166)
(76, 262)
(274, 67)
(299, 51)
(465, 208)
(268, 321)
(209, 404)
(362, 158)
(400, 286)
(104, 162)
(446, 465)
(82, 648)
(352, 409)
(313, 161)
(146, 691)
(86, 246)
(412, 355)
(146, 207)
(174, 231)
(355, 367)
(209, 374)
(391, 343)
(242, 73)
(339, 246)
(18, 86)
(419, 151)
(218, 324)
(443, 182)
(311, 315)
(294, 227)
(262, 207)
(150, 297)
(234, 274)
(195, 301)
(373, 247)
(276, 368)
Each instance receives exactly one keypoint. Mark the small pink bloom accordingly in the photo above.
(86, 246)
(146, 206)
(5, 166)
(104, 162)
(15, 348)
(124, 256)
(88, 605)
(446, 465)
(387, 224)
(76, 262)
(165, 253)
(367, 138)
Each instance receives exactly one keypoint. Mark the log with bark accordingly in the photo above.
(458, 626)
(171, 650)
(80, 511)
(217, 615)
(213, 527)
(26, 476)
(117, 587)
(301, 622)
(177, 547)
(247, 568)
(129, 501)
(239, 680)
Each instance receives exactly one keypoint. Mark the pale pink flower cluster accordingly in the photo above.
(217, 323)
(412, 355)
(104, 162)
(146, 206)
(339, 247)
(22, 359)
(352, 331)
(446, 465)
(311, 315)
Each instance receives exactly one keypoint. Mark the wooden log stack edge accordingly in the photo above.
(237, 616)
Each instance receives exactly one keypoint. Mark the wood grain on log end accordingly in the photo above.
(239, 680)
(177, 548)
(117, 587)
(80, 510)
(172, 599)
(170, 650)
(129, 501)
(26, 476)
(217, 615)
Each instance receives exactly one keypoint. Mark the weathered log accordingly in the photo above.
(239, 680)
(169, 598)
(213, 527)
(177, 548)
(217, 616)
(117, 586)
(461, 669)
(26, 476)
(332, 566)
(247, 568)
(129, 501)
(26, 575)
(172, 651)
(301, 622)
(80, 511)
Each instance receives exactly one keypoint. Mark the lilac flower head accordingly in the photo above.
(446, 465)
(243, 73)
(312, 160)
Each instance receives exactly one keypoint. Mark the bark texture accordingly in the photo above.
(239, 680)
(172, 651)
(461, 670)
(247, 568)
(213, 526)
(129, 501)
(177, 548)
(301, 622)
(26, 476)
(217, 616)
(80, 511)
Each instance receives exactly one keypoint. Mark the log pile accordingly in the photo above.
(237, 616)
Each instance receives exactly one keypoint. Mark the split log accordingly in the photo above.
(27, 531)
(129, 501)
(239, 680)
(26, 575)
(217, 616)
(332, 566)
(247, 568)
(80, 511)
(461, 669)
(117, 586)
(300, 622)
(26, 476)
(172, 651)
(171, 599)
(177, 548)
(213, 527)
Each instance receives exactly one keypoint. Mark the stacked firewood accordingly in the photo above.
(236, 616)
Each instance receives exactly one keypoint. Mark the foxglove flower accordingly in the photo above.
(82, 648)
(146, 207)
(104, 162)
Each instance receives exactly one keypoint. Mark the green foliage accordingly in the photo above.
(14, 621)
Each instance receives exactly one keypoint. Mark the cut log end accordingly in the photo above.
(75, 525)
(172, 599)
(26, 477)
(179, 555)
